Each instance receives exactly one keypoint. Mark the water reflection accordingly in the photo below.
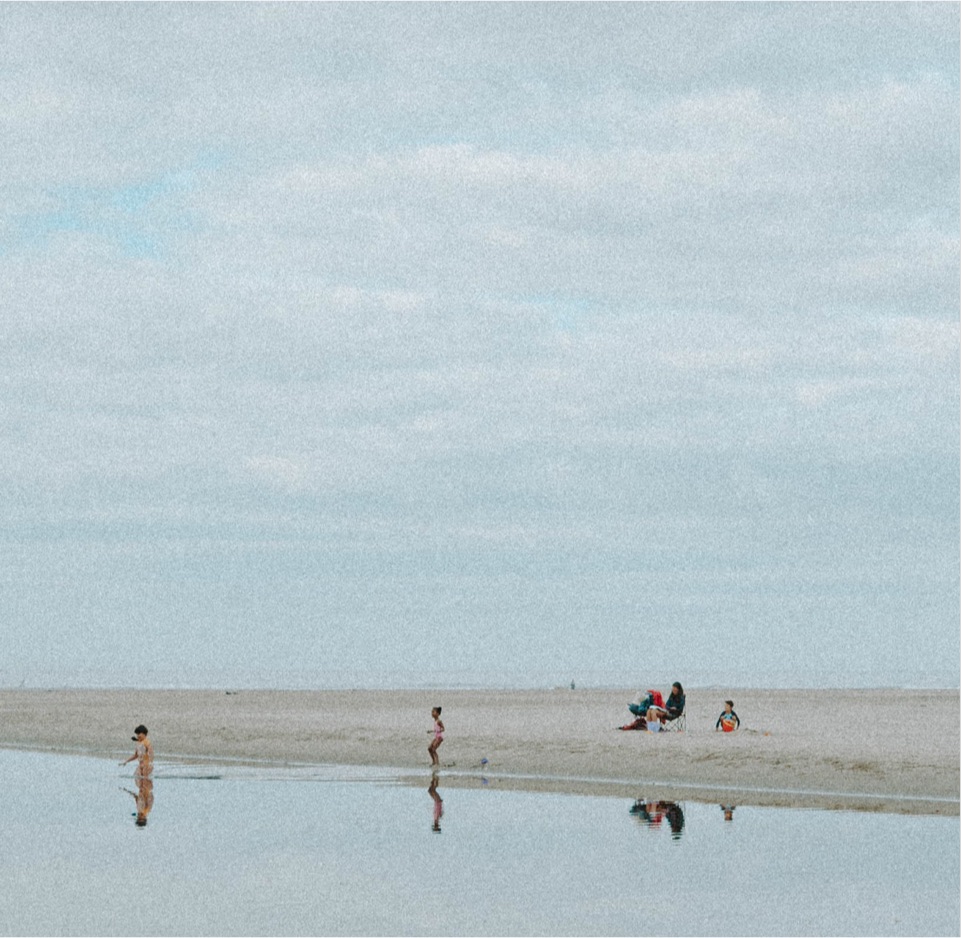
(144, 798)
(438, 802)
(303, 860)
(652, 814)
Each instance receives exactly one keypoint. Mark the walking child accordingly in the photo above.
(438, 732)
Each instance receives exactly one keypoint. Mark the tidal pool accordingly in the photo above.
(232, 850)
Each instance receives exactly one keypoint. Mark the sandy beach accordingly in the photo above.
(877, 750)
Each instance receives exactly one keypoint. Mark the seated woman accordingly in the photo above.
(671, 711)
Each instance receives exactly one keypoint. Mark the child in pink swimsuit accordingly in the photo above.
(438, 732)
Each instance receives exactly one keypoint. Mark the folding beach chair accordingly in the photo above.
(677, 725)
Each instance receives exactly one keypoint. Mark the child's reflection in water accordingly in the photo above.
(144, 798)
(438, 803)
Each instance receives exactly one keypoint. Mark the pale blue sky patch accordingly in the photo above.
(139, 219)
(118, 217)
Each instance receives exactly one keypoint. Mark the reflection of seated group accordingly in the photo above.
(652, 813)
(652, 713)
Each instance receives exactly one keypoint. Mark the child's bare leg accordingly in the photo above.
(432, 749)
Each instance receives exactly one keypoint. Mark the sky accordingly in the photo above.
(479, 344)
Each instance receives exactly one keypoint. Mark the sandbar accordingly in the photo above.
(869, 750)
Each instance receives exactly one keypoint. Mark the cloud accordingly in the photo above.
(653, 296)
(724, 201)
(722, 197)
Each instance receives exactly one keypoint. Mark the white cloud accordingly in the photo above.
(287, 474)
(925, 340)
(538, 286)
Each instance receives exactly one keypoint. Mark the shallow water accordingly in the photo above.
(231, 850)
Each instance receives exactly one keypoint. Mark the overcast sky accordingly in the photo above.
(495, 343)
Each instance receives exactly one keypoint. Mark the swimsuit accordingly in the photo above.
(145, 765)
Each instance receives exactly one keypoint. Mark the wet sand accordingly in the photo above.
(878, 750)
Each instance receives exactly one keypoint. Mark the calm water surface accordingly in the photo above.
(339, 851)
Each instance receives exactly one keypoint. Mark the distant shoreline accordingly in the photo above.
(877, 750)
(465, 686)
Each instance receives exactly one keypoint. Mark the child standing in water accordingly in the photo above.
(438, 732)
(143, 752)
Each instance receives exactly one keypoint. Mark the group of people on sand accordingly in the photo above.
(653, 713)
(650, 710)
